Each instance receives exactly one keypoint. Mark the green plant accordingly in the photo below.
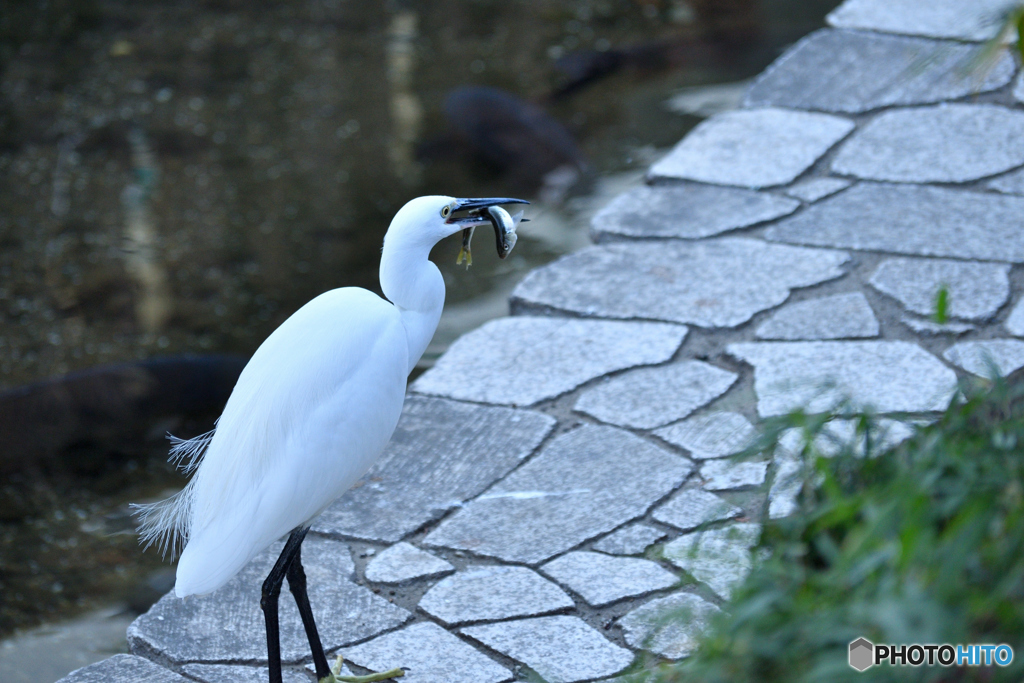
(921, 543)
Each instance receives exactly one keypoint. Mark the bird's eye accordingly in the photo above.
(446, 211)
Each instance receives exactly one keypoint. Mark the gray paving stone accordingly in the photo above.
(1015, 322)
(688, 211)
(837, 434)
(947, 143)
(487, 592)
(975, 290)
(718, 557)
(714, 435)
(441, 454)
(603, 579)
(236, 673)
(1010, 183)
(651, 397)
(777, 146)
(310, 667)
(978, 356)
(727, 474)
(429, 654)
(932, 328)
(841, 316)
(668, 626)
(854, 72)
(786, 485)
(889, 376)
(560, 649)
(910, 219)
(977, 20)
(813, 189)
(577, 488)
(719, 282)
(523, 360)
(692, 507)
(227, 625)
(123, 669)
(630, 540)
(404, 562)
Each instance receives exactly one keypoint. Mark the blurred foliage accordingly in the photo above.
(1011, 31)
(1014, 21)
(923, 543)
(941, 305)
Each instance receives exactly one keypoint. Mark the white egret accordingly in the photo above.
(312, 410)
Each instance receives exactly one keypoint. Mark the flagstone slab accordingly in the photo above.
(978, 357)
(692, 507)
(714, 435)
(833, 438)
(854, 72)
(786, 485)
(840, 434)
(560, 649)
(604, 579)
(752, 148)
(236, 673)
(651, 397)
(523, 360)
(487, 593)
(226, 625)
(975, 291)
(813, 189)
(932, 328)
(1015, 322)
(630, 540)
(912, 219)
(689, 211)
(886, 375)
(720, 282)
(726, 474)
(945, 143)
(405, 562)
(429, 654)
(123, 669)
(579, 487)
(1010, 183)
(441, 454)
(717, 557)
(841, 316)
(977, 20)
(669, 626)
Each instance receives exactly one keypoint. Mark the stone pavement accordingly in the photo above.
(561, 477)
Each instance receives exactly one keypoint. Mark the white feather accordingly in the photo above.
(311, 411)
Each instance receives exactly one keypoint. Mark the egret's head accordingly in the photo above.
(428, 220)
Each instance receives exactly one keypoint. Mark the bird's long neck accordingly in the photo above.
(414, 285)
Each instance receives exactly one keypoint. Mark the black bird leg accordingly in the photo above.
(268, 601)
(297, 585)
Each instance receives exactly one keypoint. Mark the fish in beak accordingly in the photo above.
(483, 212)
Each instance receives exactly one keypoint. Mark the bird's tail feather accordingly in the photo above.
(186, 454)
(166, 523)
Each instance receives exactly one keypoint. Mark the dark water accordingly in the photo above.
(178, 177)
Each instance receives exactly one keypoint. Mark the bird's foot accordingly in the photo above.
(336, 677)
